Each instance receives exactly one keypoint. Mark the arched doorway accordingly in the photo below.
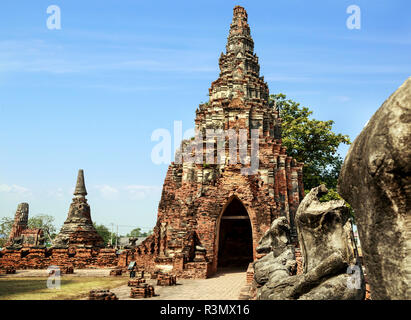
(235, 248)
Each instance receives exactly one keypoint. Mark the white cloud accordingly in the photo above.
(124, 88)
(58, 193)
(342, 98)
(107, 191)
(141, 191)
(14, 189)
(34, 55)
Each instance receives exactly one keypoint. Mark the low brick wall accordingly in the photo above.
(42, 258)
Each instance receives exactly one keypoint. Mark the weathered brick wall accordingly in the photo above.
(41, 258)
(195, 195)
(143, 260)
(189, 206)
(78, 244)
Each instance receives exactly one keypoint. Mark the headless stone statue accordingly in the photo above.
(279, 262)
(375, 180)
(330, 269)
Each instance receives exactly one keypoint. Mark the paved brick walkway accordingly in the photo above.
(226, 285)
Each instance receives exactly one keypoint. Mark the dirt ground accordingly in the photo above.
(31, 284)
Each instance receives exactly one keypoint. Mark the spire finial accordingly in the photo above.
(80, 186)
(240, 11)
(239, 34)
(240, 17)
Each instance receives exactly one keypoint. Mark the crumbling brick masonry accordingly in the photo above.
(211, 214)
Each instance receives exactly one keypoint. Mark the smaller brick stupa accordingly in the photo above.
(78, 229)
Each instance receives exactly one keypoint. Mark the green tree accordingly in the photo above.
(333, 195)
(45, 223)
(137, 233)
(105, 233)
(41, 221)
(5, 227)
(310, 141)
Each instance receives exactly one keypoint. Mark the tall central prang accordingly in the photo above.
(211, 215)
(239, 97)
(239, 77)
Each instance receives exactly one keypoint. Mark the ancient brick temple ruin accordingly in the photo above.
(78, 245)
(21, 236)
(212, 214)
(78, 229)
(214, 210)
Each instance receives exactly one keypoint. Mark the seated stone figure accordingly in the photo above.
(278, 262)
(42, 241)
(324, 234)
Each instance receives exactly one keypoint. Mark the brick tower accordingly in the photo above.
(78, 229)
(212, 212)
(21, 219)
(21, 236)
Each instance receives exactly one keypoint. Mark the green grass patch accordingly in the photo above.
(71, 288)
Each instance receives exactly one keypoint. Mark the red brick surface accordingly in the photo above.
(195, 195)
(33, 258)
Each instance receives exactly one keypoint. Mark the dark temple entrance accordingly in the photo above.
(235, 237)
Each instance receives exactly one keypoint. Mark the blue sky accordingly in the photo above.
(90, 95)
